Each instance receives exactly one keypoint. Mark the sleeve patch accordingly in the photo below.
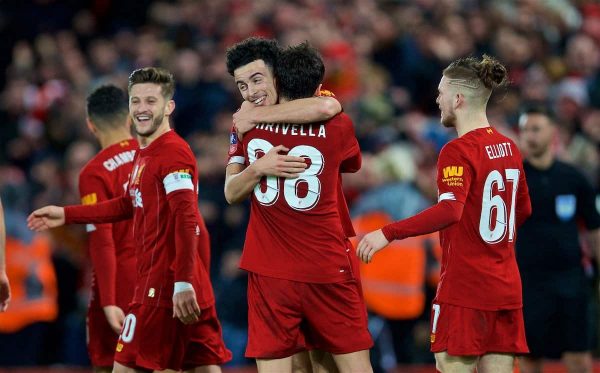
(446, 196)
(89, 199)
(178, 181)
(453, 176)
(233, 142)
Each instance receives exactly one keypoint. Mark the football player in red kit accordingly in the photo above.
(477, 318)
(110, 246)
(171, 322)
(257, 57)
(303, 291)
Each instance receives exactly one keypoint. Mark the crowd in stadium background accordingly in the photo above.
(383, 62)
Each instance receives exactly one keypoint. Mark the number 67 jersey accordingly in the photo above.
(483, 170)
(295, 231)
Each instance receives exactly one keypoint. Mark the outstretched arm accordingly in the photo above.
(45, 218)
(304, 110)
(4, 284)
(110, 211)
(433, 219)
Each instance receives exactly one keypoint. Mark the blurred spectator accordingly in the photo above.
(23, 326)
(556, 290)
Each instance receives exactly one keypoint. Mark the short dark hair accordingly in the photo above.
(156, 75)
(250, 50)
(536, 108)
(299, 71)
(107, 107)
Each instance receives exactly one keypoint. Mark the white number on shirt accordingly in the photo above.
(494, 203)
(290, 186)
(269, 196)
(128, 328)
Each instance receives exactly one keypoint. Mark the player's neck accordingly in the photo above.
(112, 137)
(468, 121)
(543, 161)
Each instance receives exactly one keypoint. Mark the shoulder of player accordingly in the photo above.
(93, 167)
(341, 120)
(93, 173)
(175, 143)
(341, 117)
(175, 149)
(455, 144)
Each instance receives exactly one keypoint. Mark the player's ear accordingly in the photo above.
(459, 99)
(91, 126)
(170, 107)
(318, 90)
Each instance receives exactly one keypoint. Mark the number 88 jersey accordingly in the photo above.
(483, 170)
(295, 230)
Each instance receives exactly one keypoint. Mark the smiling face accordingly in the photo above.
(149, 110)
(256, 83)
(444, 100)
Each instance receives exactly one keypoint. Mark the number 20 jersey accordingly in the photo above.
(483, 170)
(295, 230)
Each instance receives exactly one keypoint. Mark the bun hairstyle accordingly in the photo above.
(488, 71)
(491, 72)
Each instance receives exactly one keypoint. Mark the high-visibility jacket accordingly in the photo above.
(32, 283)
(394, 282)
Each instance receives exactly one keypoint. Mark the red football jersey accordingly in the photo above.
(170, 246)
(296, 229)
(110, 246)
(236, 155)
(483, 170)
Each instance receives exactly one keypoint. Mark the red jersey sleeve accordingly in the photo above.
(178, 173)
(453, 181)
(113, 210)
(454, 173)
(93, 189)
(236, 150)
(431, 220)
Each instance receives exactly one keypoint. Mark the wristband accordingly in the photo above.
(182, 286)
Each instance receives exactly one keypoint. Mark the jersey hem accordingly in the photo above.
(480, 307)
(307, 279)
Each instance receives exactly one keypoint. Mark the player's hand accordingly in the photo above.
(45, 218)
(4, 291)
(243, 120)
(370, 244)
(275, 164)
(185, 307)
(114, 316)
